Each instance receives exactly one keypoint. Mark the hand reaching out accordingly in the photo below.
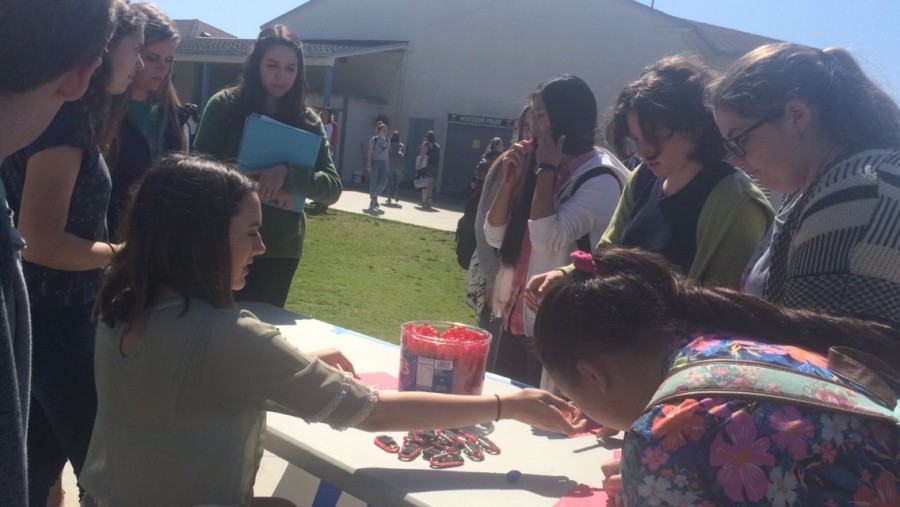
(543, 410)
(538, 285)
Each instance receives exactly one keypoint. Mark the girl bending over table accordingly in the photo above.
(727, 399)
(184, 377)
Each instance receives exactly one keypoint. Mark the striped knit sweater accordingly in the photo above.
(839, 251)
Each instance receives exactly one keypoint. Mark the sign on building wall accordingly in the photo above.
(484, 121)
(467, 138)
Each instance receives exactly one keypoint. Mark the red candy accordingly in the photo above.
(463, 347)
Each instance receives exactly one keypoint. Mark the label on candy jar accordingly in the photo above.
(425, 374)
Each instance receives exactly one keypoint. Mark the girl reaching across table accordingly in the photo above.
(184, 377)
(727, 399)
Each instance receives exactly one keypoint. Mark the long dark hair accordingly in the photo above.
(511, 246)
(671, 95)
(854, 109)
(572, 110)
(175, 235)
(641, 301)
(250, 95)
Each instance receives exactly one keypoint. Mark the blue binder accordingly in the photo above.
(267, 143)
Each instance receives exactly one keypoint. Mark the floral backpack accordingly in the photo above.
(862, 384)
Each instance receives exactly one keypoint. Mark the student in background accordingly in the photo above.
(430, 157)
(273, 84)
(331, 128)
(58, 187)
(65, 41)
(395, 168)
(377, 157)
(177, 358)
(153, 118)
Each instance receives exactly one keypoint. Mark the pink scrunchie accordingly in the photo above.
(585, 263)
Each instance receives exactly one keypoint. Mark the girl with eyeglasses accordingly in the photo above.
(683, 201)
(810, 123)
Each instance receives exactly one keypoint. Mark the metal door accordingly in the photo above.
(465, 146)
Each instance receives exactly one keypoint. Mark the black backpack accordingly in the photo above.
(465, 232)
(584, 242)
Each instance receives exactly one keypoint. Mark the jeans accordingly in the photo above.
(64, 398)
(377, 178)
(393, 185)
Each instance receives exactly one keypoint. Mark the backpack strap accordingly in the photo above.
(584, 242)
(767, 382)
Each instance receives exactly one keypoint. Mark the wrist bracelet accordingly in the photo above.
(499, 405)
(545, 166)
(112, 249)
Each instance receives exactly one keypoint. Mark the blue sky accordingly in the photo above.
(869, 28)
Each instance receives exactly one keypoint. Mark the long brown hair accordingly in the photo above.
(250, 95)
(853, 108)
(93, 107)
(158, 28)
(640, 302)
(175, 235)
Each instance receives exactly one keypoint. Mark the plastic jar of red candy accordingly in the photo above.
(442, 357)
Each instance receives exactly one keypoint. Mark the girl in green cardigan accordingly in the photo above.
(273, 84)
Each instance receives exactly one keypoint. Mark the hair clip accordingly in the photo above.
(586, 263)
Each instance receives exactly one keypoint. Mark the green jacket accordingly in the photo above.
(732, 223)
(219, 136)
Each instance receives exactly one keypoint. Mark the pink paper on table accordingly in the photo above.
(583, 495)
(378, 379)
(592, 430)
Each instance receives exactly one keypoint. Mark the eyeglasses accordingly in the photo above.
(735, 144)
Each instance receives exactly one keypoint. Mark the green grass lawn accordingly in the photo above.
(372, 275)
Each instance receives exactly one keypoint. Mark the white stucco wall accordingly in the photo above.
(484, 57)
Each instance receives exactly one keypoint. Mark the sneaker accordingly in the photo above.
(388, 203)
(373, 204)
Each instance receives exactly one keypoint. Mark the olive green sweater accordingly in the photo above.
(219, 136)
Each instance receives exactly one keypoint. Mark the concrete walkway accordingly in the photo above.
(443, 215)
